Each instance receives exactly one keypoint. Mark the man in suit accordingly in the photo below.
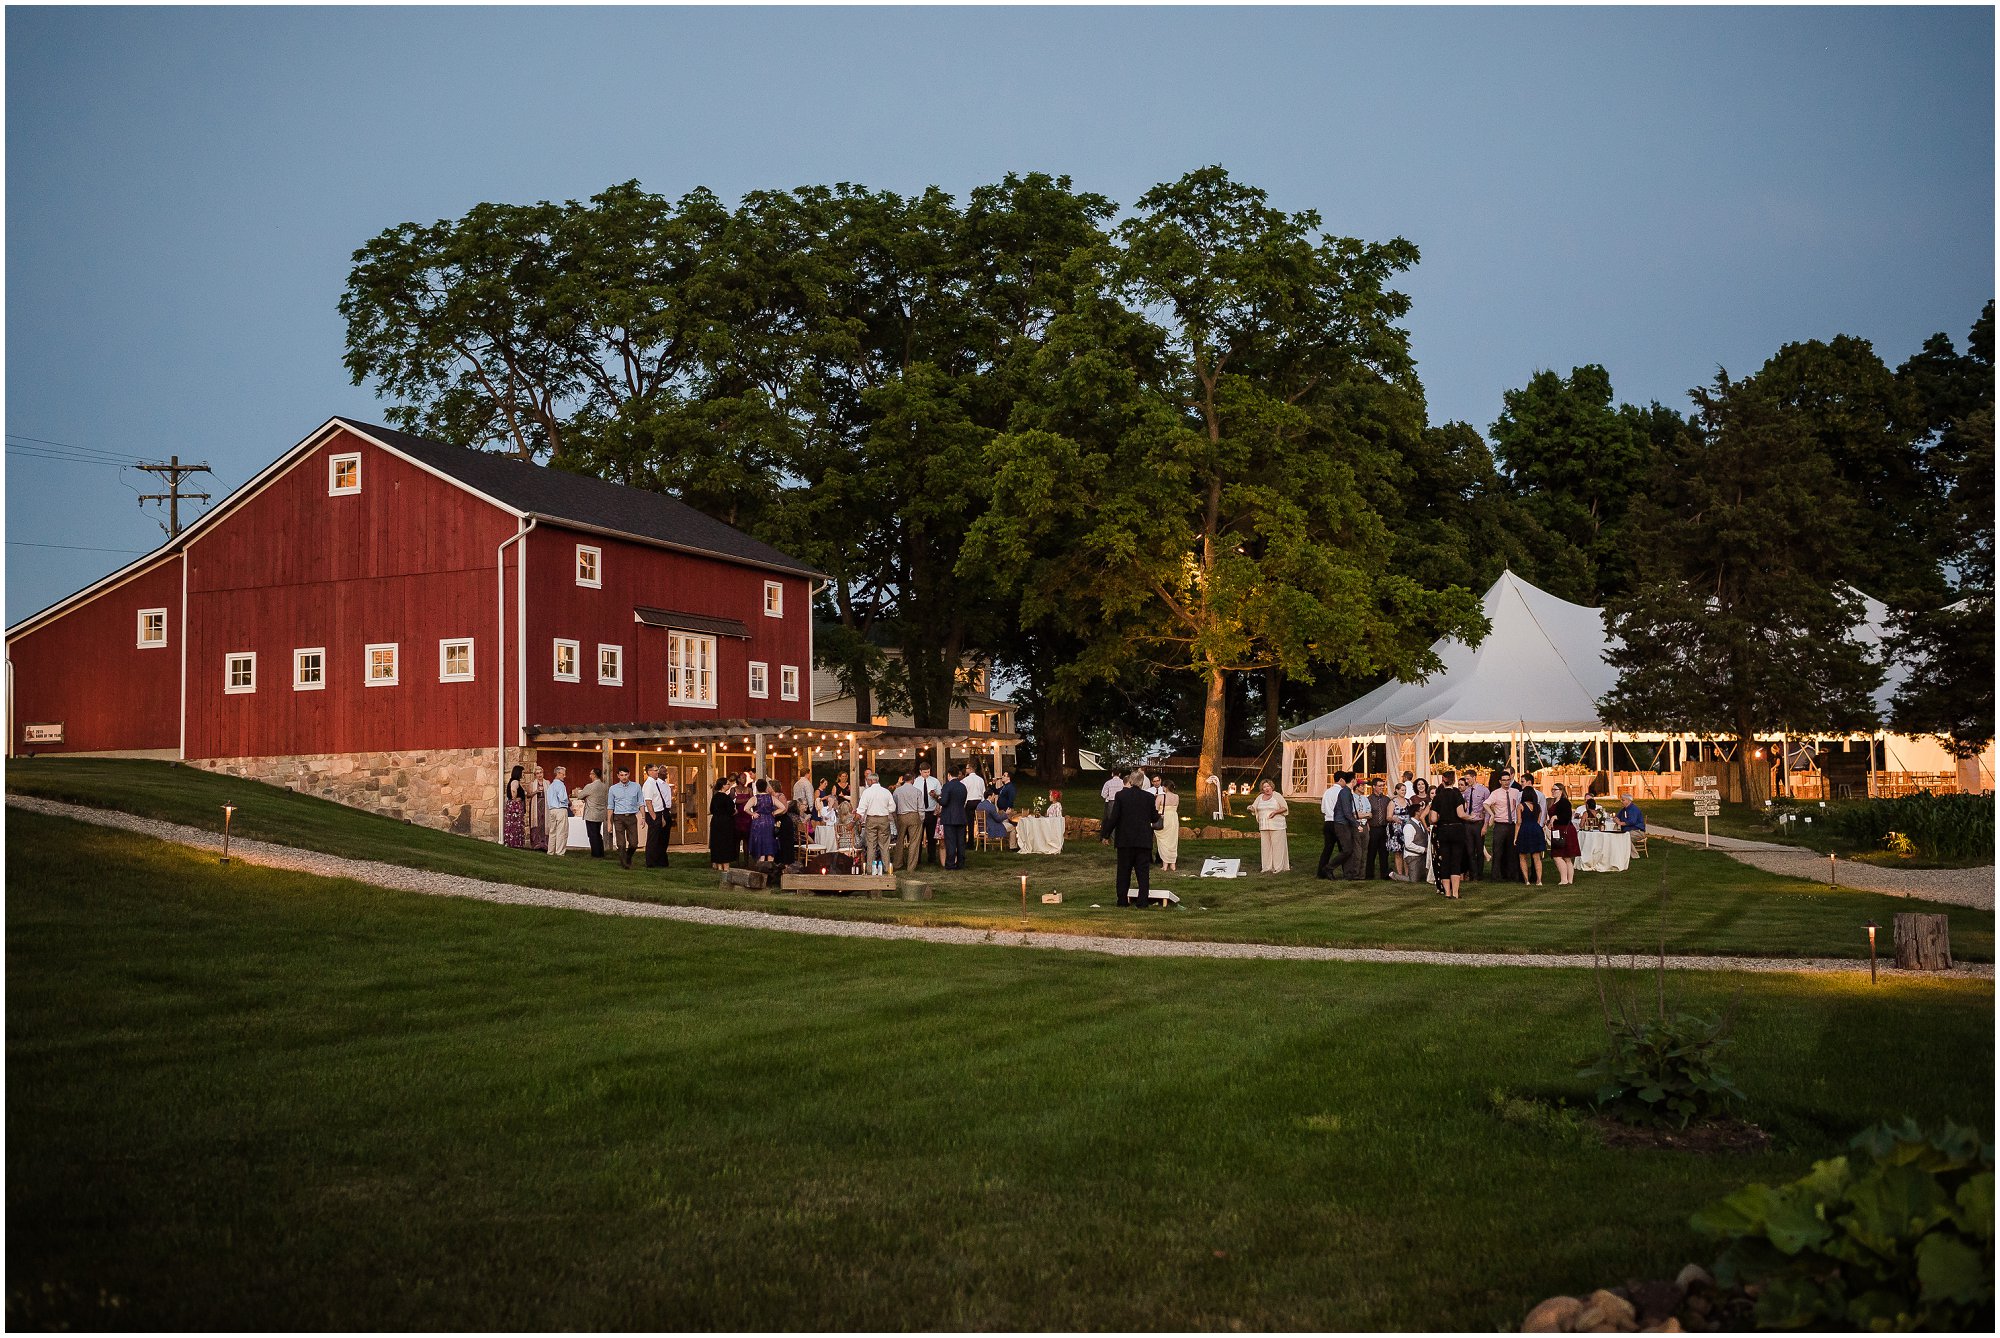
(953, 812)
(1357, 831)
(1378, 830)
(1340, 827)
(1128, 825)
(1330, 843)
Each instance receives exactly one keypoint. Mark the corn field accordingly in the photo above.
(1940, 826)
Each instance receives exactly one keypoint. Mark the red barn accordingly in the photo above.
(392, 622)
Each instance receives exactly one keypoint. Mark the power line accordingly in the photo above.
(75, 548)
(68, 446)
(30, 453)
(173, 471)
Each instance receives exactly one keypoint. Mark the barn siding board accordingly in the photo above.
(636, 574)
(85, 670)
(408, 559)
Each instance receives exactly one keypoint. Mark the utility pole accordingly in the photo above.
(173, 472)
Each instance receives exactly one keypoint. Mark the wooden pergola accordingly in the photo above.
(710, 739)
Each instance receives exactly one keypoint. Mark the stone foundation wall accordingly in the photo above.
(452, 789)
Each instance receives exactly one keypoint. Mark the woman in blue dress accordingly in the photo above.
(763, 825)
(1530, 840)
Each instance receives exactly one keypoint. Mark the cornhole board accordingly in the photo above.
(874, 884)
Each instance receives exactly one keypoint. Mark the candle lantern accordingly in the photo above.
(228, 812)
(1872, 927)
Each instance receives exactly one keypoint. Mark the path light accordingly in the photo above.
(1872, 927)
(1024, 891)
(1833, 876)
(228, 812)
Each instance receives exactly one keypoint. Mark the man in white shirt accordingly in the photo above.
(909, 822)
(975, 786)
(1334, 815)
(802, 790)
(1111, 789)
(559, 813)
(877, 810)
(930, 794)
(656, 801)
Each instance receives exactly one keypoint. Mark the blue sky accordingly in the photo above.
(1661, 191)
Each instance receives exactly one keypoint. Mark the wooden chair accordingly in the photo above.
(1638, 845)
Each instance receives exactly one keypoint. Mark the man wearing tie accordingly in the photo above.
(929, 797)
(952, 812)
(1328, 802)
(1503, 810)
(656, 798)
(1378, 830)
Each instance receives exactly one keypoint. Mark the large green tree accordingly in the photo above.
(1211, 516)
(1738, 623)
(1947, 645)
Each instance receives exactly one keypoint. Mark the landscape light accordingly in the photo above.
(1872, 927)
(228, 812)
(1024, 891)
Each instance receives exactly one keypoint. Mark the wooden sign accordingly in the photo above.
(1222, 868)
(1707, 805)
(44, 733)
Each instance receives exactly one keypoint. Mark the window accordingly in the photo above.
(760, 679)
(343, 474)
(1301, 781)
(690, 669)
(239, 672)
(774, 599)
(590, 567)
(455, 660)
(385, 665)
(309, 669)
(610, 665)
(788, 682)
(1332, 765)
(566, 670)
(152, 627)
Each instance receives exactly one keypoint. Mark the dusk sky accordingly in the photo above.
(1660, 191)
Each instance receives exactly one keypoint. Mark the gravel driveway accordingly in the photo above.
(455, 885)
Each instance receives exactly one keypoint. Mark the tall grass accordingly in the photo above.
(1942, 826)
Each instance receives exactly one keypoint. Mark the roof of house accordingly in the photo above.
(578, 499)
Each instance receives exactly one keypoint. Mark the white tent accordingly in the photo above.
(1537, 675)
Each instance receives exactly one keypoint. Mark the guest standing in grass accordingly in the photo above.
(1563, 844)
(1530, 841)
(788, 835)
(1447, 819)
(559, 812)
(625, 799)
(1129, 827)
(1269, 809)
(722, 826)
(763, 825)
(595, 794)
(1169, 843)
(514, 827)
(954, 818)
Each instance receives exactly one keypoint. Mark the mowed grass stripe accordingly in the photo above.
(250, 1098)
(1720, 906)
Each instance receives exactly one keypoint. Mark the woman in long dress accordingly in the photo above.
(721, 827)
(1564, 845)
(787, 828)
(514, 828)
(763, 825)
(1169, 839)
(1269, 808)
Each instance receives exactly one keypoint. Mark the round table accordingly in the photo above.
(1604, 852)
(1039, 836)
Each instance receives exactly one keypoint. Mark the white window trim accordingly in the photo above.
(299, 684)
(395, 650)
(692, 703)
(755, 691)
(616, 680)
(575, 674)
(596, 564)
(444, 646)
(229, 671)
(777, 588)
(141, 632)
(333, 463)
(788, 682)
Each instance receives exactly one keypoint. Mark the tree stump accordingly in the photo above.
(1923, 942)
(913, 890)
(746, 878)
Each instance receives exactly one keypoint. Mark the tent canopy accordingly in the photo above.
(1538, 674)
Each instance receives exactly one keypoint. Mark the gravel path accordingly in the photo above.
(455, 885)
(1959, 887)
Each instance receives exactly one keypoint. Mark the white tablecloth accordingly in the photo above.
(1040, 836)
(1604, 852)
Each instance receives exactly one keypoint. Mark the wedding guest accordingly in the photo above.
(722, 825)
(877, 811)
(1336, 812)
(656, 801)
(624, 803)
(1447, 819)
(559, 812)
(514, 830)
(802, 791)
(1168, 843)
(1530, 841)
(909, 823)
(953, 815)
(1129, 827)
(1629, 817)
(1475, 820)
(1503, 816)
(763, 825)
(595, 793)
(929, 792)
(1269, 808)
(1110, 791)
(788, 835)
(1379, 813)
(1563, 844)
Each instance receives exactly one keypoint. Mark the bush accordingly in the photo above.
(1942, 826)
(1898, 1236)
(1664, 1069)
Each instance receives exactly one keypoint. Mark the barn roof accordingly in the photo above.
(578, 499)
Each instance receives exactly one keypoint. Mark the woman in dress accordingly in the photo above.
(1055, 805)
(1530, 841)
(1269, 808)
(763, 825)
(1169, 839)
(850, 831)
(514, 828)
(1447, 822)
(721, 826)
(1564, 846)
(788, 835)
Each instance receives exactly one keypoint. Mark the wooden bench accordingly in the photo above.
(874, 884)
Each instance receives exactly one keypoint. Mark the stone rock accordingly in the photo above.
(1555, 1315)
(1655, 1301)
(1668, 1325)
(1692, 1277)
(1606, 1312)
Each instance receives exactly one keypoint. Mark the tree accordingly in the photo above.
(1208, 514)
(1738, 622)
(1574, 455)
(1948, 646)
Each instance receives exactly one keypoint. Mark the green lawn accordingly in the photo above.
(239, 1098)
(1719, 904)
